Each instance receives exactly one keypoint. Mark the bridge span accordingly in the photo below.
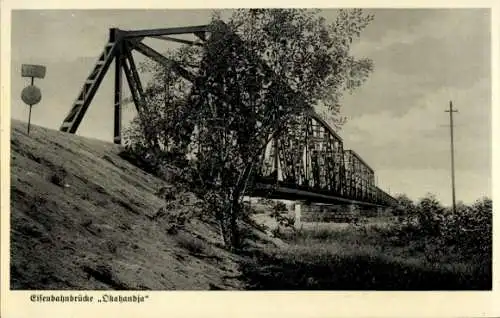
(309, 162)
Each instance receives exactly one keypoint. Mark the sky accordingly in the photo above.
(396, 121)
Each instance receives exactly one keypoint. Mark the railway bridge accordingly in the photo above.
(306, 163)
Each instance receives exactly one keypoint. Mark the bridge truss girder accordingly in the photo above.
(309, 156)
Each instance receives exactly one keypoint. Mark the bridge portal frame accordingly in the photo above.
(119, 48)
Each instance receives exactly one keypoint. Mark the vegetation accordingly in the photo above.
(256, 74)
(468, 231)
(429, 248)
(283, 218)
(422, 251)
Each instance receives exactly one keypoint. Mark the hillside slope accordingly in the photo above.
(82, 218)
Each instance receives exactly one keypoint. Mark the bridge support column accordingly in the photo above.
(380, 211)
(297, 214)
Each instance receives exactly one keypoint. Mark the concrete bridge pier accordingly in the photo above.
(298, 213)
(380, 211)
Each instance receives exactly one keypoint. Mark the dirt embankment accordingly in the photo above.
(83, 218)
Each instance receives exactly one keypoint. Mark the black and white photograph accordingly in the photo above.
(262, 149)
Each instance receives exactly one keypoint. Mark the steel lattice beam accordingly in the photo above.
(171, 39)
(158, 57)
(167, 31)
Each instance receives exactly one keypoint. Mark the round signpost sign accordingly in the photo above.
(31, 95)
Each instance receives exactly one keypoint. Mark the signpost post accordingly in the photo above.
(31, 94)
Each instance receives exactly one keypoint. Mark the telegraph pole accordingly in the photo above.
(451, 111)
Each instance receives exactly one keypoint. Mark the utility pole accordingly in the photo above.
(451, 111)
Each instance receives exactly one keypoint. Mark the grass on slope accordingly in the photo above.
(82, 218)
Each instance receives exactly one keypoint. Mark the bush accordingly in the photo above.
(280, 213)
(404, 205)
(180, 208)
(430, 215)
(468, 230)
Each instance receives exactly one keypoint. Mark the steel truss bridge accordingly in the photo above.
(307, 162)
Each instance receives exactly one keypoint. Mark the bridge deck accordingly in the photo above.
(287, 193)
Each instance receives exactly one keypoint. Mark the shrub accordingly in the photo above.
(468, 230)
(180, 208)
(280, 213)
(404, 206)
(430, 215)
